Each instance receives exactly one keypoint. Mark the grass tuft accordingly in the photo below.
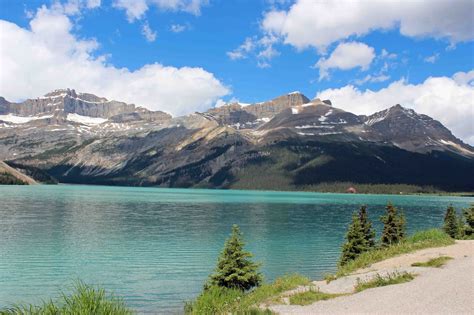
(84, 299)
(419, 240)
(390, 279)
(310, 297)
(434, 263)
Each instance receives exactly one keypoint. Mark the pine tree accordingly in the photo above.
(366, 225)
(234, 268)
(451, 223)
(356, 242)
(393, 226)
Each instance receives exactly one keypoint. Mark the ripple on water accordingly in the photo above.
(155, 247)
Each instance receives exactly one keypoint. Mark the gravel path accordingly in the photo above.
(446, 290)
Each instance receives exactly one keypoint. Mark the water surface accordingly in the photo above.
(155, 247)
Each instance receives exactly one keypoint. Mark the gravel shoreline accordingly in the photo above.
(446, 290)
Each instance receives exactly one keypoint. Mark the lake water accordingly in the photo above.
(155, 247)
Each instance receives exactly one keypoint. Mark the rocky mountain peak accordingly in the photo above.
(412, 131)
(61, 93)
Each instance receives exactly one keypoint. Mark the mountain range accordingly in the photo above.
(287, 143)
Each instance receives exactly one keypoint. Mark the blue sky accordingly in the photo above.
(246, 50)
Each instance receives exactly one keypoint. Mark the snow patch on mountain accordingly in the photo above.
(86, 120)
(22, 119)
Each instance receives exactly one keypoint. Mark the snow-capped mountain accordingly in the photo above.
(288, 141)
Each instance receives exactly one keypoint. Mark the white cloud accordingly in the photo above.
(321, 23)
(242, 51)
(432, 58)
(346, 56)
(372, 79)
(387, 55)
(178, 28)
(136, 9)
(48, 56)
(268, 53)
(466, 78)
(447, 99)
(149, 34)
(263, 49)
(91, 4)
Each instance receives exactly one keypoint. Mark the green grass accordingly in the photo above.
(310, 297)
(216, 300)
(419, 240)
(390, 279)
(83, 300)
(434, 263)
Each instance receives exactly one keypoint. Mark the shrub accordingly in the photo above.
(451, 223)
(234, 268)
(394, 226)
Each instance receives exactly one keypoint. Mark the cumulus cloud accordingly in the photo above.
(309, 23)
(447, 99)
(346, 56)
(47, 56)
(136, 9)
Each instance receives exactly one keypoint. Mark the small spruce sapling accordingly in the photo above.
(356, 242)
(366, 225)
(234, 267)
(469, 217)
(451, 223)
(393, 226)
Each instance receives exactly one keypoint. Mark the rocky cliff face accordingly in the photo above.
(284, 143)
(67, 101)
(250, 116)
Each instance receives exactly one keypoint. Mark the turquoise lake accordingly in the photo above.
(155, 247)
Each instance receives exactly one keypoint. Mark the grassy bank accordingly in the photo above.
(419, 240)
(82, 300)
(216, 300)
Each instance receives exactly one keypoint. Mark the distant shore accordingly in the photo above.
(335, 188)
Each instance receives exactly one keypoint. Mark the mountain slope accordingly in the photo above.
(9, 175)
(285, 143)
(415, 132)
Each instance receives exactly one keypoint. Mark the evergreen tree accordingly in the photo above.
(451, 223)
(393, 226)
(469, 217)
(366, 225)
(234, 268)
(356, 242)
